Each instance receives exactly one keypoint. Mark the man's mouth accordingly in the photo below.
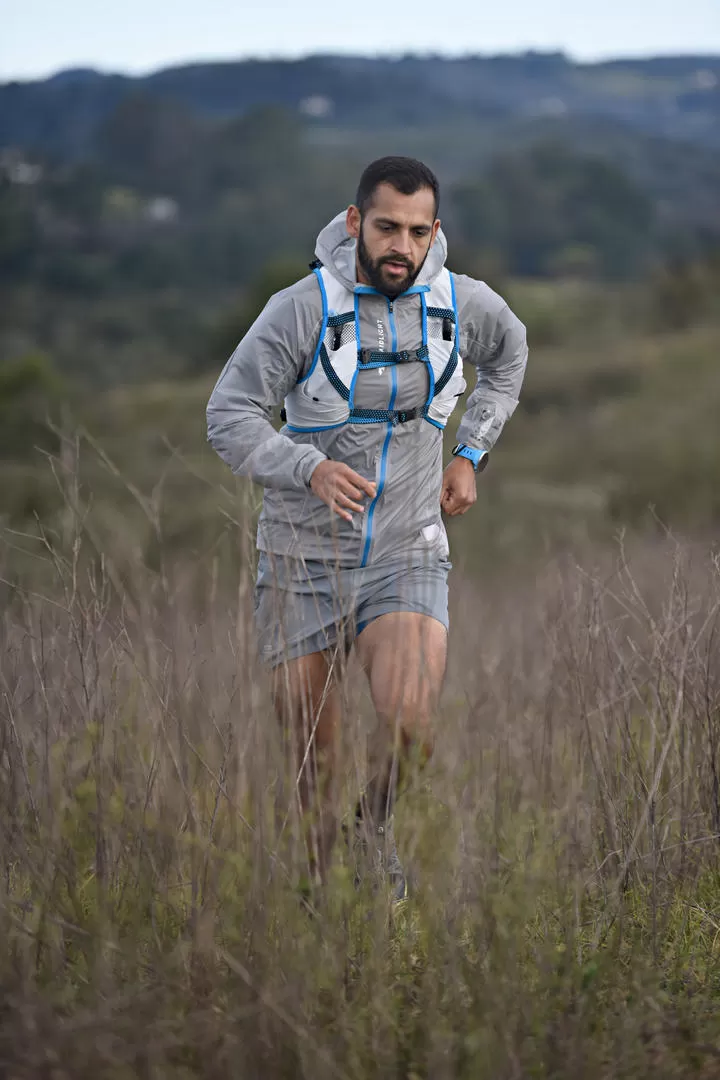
(397, 267)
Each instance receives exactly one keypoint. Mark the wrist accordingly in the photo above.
(477, 458)
(463, 464)
(312, 470)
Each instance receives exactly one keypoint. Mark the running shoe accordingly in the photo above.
(373, 848)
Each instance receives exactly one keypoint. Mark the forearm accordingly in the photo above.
(500, 374)
(484, 418)
(251, 446)
(266, 364)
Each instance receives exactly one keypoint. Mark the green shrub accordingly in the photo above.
(30, 392)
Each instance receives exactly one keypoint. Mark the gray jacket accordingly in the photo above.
(406, 461)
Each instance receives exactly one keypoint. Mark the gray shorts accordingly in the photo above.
(304, 606)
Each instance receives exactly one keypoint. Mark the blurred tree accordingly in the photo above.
(534, 204)
(150, 143)
(19, 234)
(76, 194)
(258, 151)
(30, 390)
(483, 263)
(578, 261)
(684, 290)
(235, 323)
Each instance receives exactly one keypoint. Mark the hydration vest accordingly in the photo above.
(324, 397)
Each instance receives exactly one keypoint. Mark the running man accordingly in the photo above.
(365, 356)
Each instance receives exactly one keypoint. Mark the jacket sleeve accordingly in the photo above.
(264, 367)
(495, 344)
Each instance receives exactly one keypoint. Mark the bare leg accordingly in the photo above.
(307, 702)
(404, 656)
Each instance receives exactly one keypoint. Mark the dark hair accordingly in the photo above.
(405, 174)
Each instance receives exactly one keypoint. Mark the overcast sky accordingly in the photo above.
(39, 37)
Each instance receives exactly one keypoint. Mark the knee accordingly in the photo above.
(411, 716)
(408, 703)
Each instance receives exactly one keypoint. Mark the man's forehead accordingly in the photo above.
(418, 208)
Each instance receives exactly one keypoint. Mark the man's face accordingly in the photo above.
(393, 237)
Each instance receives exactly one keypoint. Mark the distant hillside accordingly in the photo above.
(144, 222)
(672, 97)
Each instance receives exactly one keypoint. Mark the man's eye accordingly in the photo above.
(385, 228)
(421, 232)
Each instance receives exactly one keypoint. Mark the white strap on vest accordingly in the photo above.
(324, 397)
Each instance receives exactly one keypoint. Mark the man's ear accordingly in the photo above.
(352, 221)
(435, 230)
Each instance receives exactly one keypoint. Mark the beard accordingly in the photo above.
(373, 270)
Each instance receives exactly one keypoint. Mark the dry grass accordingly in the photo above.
(566, 915)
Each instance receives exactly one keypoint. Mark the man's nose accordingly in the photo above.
(401, 243)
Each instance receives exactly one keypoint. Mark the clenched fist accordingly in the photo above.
(341, 488)
(459, 490)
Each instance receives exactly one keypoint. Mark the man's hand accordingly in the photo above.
(341, 488)
(459, 491)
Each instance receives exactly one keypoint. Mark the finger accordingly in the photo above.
(456, 502)
(345, 500)
(368, 486)
(340, 512)
(464, 504)
(348, 489)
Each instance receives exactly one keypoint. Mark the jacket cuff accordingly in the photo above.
(482, 424)
(308, 465)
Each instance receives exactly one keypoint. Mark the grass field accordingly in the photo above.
(564, 842)
(565, 920)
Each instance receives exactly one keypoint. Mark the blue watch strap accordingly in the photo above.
(469, 452)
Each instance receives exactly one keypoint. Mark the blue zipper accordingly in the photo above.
(386, 444)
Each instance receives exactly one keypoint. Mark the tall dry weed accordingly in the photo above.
(565, 919)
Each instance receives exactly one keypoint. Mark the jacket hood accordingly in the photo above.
(335, 249)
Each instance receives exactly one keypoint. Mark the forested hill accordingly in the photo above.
(674, 97)
(144, 221)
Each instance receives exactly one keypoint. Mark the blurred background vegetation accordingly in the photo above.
(144, 223)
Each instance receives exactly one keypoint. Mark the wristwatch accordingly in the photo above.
(479, 458)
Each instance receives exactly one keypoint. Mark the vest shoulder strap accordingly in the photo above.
(338, 300)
